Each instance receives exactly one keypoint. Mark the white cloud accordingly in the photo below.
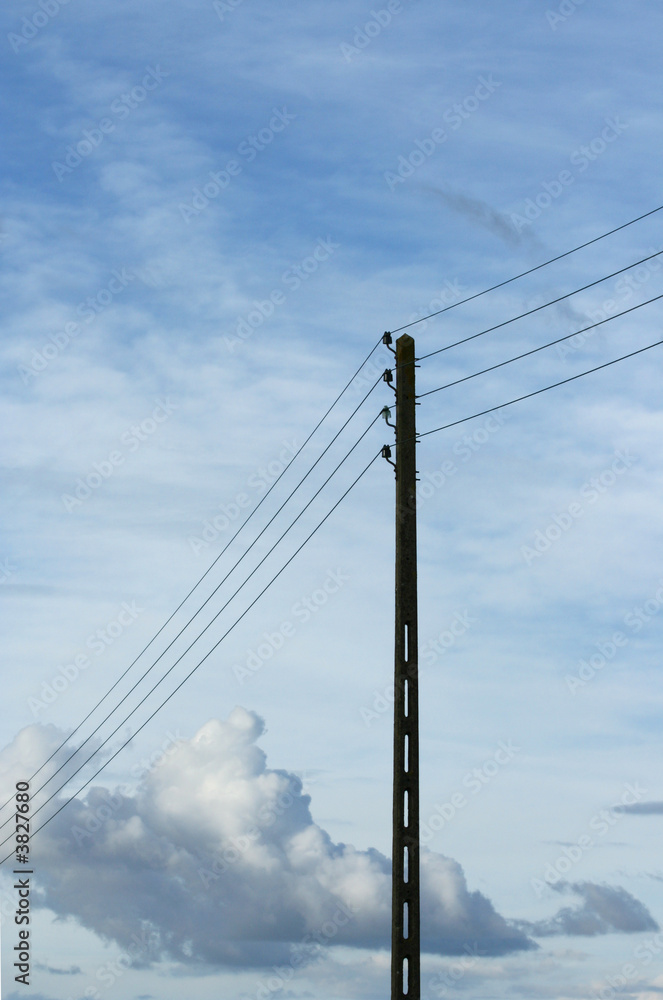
(165, 334)
(215, 859)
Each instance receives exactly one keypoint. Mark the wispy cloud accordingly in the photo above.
(605, 909)
(483, 214)
(642, 809)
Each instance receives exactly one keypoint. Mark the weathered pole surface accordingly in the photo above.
(405, 935)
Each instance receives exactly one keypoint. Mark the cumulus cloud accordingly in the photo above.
(26, 755)
(604, 910)
(215, 860)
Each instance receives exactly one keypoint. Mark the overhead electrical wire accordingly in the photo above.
(182, 655)
(531, 270)
(199, 664)
(243, 525)
(206, 601)
(213, 564)
(530, 312)
(491, 409)
(534, 350)
(238, 589)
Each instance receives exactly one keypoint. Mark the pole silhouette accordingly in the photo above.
(405, 934)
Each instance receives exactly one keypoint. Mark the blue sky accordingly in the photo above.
(209, 214)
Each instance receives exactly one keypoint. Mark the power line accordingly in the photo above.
(287, 563)
(530, 312)
(182, 655)
(200, 662)
(209, 598)
(211, 566)
(536, 392)
(523, 274)
(453, 305)
(534, 350)
(295, 456)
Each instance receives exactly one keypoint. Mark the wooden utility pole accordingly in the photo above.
(405, 936)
